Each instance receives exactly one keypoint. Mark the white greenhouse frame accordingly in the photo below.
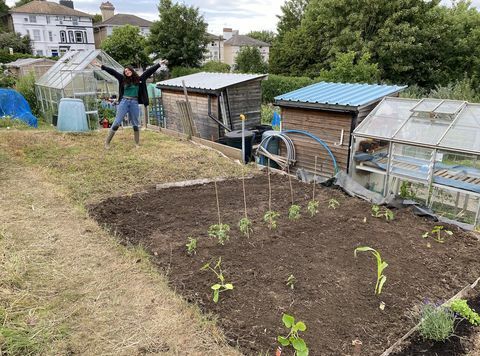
(419, 141)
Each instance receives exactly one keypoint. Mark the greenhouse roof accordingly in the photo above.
(61, 74)
(448, 124)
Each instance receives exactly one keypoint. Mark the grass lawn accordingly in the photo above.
(67, 286)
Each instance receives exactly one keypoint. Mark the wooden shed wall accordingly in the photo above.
(206, 127)
(327, 125)
(245, 98)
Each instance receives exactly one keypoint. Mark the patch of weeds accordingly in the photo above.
(437, 322)
(294, 212)
(221, 286)
(461, 307)
(333, 204)
(191, 246)
(379, 212)
(293, 339)
(381, 265)
(438, 234)
(270, 217)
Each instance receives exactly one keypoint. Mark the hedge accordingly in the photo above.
(277, 84)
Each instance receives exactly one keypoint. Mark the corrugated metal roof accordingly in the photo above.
(209, 81)
(343, 94)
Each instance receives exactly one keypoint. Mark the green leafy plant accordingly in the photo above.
(221, 286)
(333, 204)
(245, 226)
(270, 218)
(406, 190)
(379, 212)
(461, 307)
(438, 233)
(437, 322)
(293, 339)
(294, 212)
(291, 280)
(191, 246)
(312, 207)
(381, 265)
(220, 232)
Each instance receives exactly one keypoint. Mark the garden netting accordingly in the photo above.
(14, 105)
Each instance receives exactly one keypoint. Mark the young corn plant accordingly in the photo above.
(379, 212)
(220, 231)
(381, 265)
(294, 210)
(333, 204)
(438, 234)
(270, 217)
(312, 206)
(293, 339)
(191, 246)
(245, 224)
(222, 286)
(291, 281)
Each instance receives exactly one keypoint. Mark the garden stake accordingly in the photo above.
(357, 347)
(218, 203)
(314, 178)
(269, 187)
(290, 182)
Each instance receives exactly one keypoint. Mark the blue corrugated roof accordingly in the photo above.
(343, 94)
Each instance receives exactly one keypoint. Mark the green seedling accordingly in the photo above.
(270, 218)
(381, 265)
(292, 338)
(291, 281)
(312, 207)
(382, 212)
(294, 212)
(461, 307)
(191, 246)
(221, 286)
(438, 234)
(245, 226)
(333, 204)
(220, 232)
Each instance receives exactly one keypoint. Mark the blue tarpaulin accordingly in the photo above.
(13, 104)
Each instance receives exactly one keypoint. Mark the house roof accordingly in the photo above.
(243, 40)
(345, 95)
(47, 8)
(125, 19)
(28, 61)
(208, 82)
(214, 37)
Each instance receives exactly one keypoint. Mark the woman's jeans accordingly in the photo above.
(129, 106)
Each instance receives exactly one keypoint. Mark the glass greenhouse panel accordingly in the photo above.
(465, 132)
(387, 118)
(423, 130)
(449, 107)
(427, 105)
(411, 161)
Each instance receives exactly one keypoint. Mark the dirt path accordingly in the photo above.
(68, 288)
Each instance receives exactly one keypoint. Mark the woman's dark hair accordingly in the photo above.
(133, 79)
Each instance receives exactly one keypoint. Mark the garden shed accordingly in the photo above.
(24, 66)
(217, 100)
(329, 111)
(423, 149)
(74, 76)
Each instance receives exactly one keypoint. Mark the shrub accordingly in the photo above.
(277, 84)
(437, 322)
(26, 86)
(216, 67)
(181, 71)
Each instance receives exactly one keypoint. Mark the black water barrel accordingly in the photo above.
(234, 139)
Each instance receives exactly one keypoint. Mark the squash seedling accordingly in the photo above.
(382, 212)
(221, 286)
(381, 265)
(312, 206)
(294, 210)
(292, 339)
(333, 204)
(191, 246)
(245, 224)
(270, 217)
(439, 234)
(219, 231)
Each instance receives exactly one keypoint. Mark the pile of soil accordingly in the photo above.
(333, 293)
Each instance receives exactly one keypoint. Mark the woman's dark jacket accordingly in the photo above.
(142, 85)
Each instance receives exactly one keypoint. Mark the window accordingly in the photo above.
(71, 39)
(48, 19)
(54, 53)
(39, 52)
(213, 44)
(32, 18)
(25, 19)
(36, 35)
(28, 33)
(78, 37)
(50, 36)
(75, 20)
(63, 37)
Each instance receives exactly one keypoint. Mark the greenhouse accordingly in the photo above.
(74, 76)
(425, 150)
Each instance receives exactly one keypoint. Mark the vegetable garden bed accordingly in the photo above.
(333, 293)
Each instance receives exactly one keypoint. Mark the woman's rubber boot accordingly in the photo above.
(111, 133)
(136, 135)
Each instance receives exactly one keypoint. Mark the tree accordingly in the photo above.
(292, 15)
(3, 12)
(249, 60)
(97, 18)
(348, 70)
(180, 35)
(216, 67)
(19, 43)
(22, 2)
(127, 46)
(265, 36)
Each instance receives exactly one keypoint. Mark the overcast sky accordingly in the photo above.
(243, 15)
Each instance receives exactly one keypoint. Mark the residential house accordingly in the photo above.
(110, 20)
(214, 48)
(53, 28)
(235, 42)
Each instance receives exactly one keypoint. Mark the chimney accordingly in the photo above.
(227, 33)
(107, 10)
(67, 3)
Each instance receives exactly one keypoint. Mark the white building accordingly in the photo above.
(53, 28)
(214, 48)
